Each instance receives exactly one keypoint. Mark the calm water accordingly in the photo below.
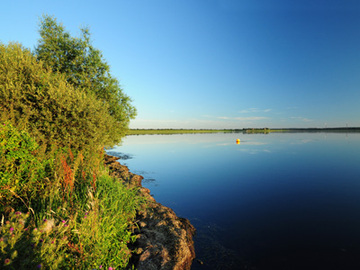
(276, 201)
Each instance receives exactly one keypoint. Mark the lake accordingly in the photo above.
(274, 201)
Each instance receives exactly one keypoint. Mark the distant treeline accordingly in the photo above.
(244, 130)
(335, 129)
(175, 131)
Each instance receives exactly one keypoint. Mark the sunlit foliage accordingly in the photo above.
(58, 108)
(35, 98)
(83, 67)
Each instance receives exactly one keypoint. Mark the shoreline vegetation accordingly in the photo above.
(244, 130)
(60, 205)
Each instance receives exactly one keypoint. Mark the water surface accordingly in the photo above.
(274, 201)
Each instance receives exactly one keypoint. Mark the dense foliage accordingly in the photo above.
(59, 207)
(36, 98)
(20, 169)
(83, 67)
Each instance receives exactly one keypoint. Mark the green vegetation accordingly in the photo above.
(42, 101)
(59, 206)
(263, 130)
(245, 130)
(175, 131)
(293, 130)
(83, 67)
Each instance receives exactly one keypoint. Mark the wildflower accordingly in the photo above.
(110, 268)
(7, 261)
(63, 221)
(39, 265)
(45, 220)
(18, 213)
(11, 229)
(100, 266)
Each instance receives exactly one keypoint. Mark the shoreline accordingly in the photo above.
(132, 132)
(164, 240)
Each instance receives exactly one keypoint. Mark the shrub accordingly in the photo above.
(21, 171)
(36, 99)
(84, 68)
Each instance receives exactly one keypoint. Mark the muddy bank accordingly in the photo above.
(165, 241)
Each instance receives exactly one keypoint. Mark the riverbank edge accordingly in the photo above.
(164, 240)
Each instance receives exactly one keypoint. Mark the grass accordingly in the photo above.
(61, 210)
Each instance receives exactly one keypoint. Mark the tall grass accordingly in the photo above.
(77, 215)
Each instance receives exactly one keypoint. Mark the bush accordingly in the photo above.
(56, 114)
(21, 172)
(83, 67)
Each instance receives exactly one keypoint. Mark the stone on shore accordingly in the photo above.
(164, 240)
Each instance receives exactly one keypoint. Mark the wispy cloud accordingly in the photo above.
(255, 110)
(250, 118)
(300, 118)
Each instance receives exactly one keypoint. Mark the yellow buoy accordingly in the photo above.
(237, 141)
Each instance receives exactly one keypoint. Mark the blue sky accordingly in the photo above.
(218, 63)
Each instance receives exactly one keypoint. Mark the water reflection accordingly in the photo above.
(119, 155)
(149, 181)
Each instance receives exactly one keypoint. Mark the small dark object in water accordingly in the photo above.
(200, 261)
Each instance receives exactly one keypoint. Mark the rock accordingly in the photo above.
(164, 240)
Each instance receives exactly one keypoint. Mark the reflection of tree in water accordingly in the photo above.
(119, 155)
(211, 254)
(150, 181)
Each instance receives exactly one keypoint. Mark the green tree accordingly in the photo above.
(35, 98)
(83, 66)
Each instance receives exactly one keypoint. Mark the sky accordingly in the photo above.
(217, 63)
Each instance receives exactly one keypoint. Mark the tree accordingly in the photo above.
(83, 66)
(34, 98)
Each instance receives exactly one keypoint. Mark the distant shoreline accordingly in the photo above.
(244, 130)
